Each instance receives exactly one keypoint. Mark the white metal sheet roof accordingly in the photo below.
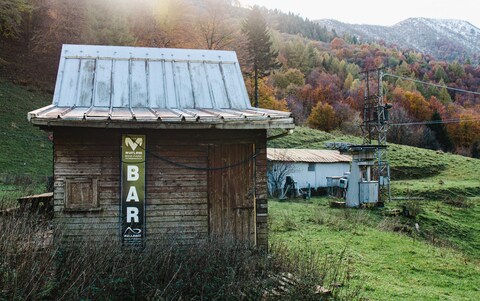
(306, 155)
(121, 84)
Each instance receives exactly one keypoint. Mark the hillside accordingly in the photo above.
(382, 256)
(444, 39)
(386, 255)
(26, 149)
(437, 177)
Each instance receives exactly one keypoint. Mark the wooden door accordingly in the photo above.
(231, 191)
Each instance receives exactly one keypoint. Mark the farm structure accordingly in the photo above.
(307, 167)
(156, 143)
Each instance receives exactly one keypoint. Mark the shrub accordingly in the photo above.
(412, 209)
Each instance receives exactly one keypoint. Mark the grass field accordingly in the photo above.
(388, 256)
(388, 264)
(25, 149)
(26, 155)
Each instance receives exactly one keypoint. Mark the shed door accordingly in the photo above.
(231, 191)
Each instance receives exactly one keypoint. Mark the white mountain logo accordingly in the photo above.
(133, 142)
(131, 230)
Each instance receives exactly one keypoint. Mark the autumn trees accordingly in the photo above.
(289, 63)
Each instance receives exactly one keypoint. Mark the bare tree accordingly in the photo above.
(277, 173)
(214, 26)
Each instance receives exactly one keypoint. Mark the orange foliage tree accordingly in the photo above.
(413, 102)
(323, 117)
(467, 131)
(266, 95)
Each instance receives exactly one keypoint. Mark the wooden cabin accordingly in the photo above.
(157, 143)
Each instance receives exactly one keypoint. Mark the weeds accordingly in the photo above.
(13, 186)
(459, 202)
(342, 219)
(34, 268)
(411, 209)
(288, 222)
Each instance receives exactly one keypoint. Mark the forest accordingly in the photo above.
(315, 73)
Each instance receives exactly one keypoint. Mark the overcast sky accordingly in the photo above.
(376, 12)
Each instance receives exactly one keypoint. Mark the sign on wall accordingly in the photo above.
(133, 190)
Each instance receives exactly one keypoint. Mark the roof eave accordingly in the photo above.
(280, 123)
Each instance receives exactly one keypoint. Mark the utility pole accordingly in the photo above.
(375, 127)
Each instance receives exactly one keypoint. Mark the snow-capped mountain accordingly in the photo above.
(445, 39)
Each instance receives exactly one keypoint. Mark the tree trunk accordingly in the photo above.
(256, 85)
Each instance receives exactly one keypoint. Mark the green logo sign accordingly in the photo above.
(133, 190)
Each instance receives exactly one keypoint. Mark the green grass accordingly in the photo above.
(25, 148)
(452, 226)
(388, 256)
(26, 153)
(389, 265)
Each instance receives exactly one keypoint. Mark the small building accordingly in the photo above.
(308, 167)
(363, 182)
(157, 143)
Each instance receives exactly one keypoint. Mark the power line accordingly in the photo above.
(431, 84)
(435, 122)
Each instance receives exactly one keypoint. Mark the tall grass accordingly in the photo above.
(14, 186)
(32, 267)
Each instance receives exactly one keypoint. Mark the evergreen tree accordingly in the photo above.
(261, 55)
(440, 132)
(475, 149)
(443, 95)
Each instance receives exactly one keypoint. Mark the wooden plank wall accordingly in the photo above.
(261, 193)
(231, 191)
(176, 196)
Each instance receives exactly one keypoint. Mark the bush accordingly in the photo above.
(412, 209)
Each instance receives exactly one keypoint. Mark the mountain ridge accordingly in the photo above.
(444, 39)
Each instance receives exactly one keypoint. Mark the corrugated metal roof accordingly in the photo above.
(98, 83)
(306, 155)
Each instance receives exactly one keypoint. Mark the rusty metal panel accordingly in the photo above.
(235, 84)
(98, 112)
(216, 86)
(209, 82)
(120, 91)
(202, 96)
(144, 114)
(306, 155)
(76, 113)
(87, 71)
(102, 85)
(68, 86)
(138, 84)
(170, 88)
(183, 86)
(121, 113)
(156, 85)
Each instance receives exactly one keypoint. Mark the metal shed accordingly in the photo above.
(151, 143)
(310, 166)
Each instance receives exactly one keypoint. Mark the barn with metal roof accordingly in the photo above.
(154, 143)
(309, 167)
